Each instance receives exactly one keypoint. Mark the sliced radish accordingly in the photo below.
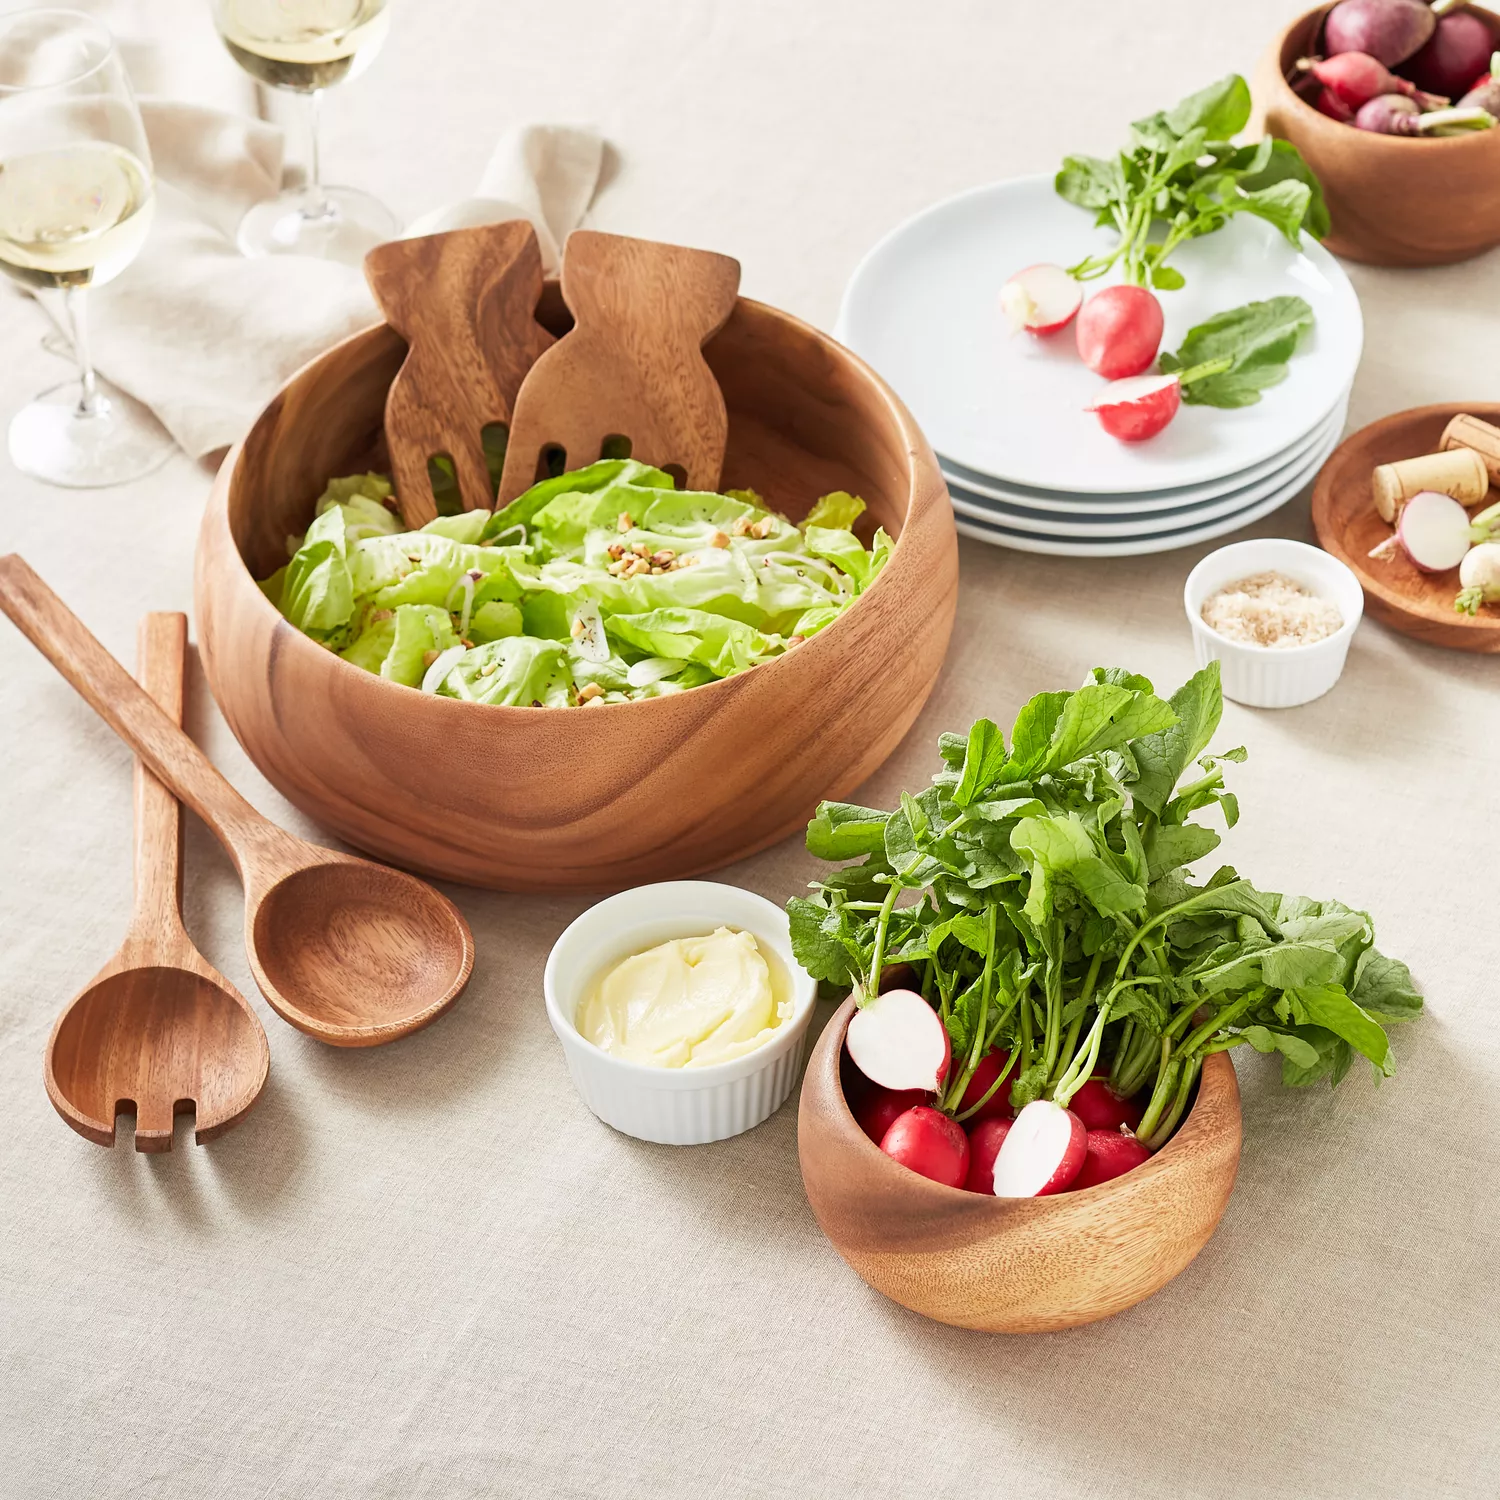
(1040, 299)
(986, 1071)
(1119, 331)
(985, 1141)
(1109, 1154)
(878, 1109)
(928, 1141)
(1136, 409)
(1042, 1153)
(1101, 1109)
(898, 1041)
(1434, 531)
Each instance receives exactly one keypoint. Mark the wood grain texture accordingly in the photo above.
(1022, 1265)
(350, 952)
(1393, 200)
(158, 1030)
(465, 302)
(632, 366)
(559, 799)
(1343, 513)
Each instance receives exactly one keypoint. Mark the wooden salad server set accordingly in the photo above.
(630, 369)
(349, 951)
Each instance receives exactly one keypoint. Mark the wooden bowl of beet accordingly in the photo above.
(1014, 1265)
(1393, 200)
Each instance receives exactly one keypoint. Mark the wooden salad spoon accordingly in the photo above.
(351, 952)
(158, 1027)
(632, 366)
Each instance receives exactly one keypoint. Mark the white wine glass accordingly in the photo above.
(304, 47)
(75, 206)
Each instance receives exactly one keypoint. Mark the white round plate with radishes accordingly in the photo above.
(925, 308)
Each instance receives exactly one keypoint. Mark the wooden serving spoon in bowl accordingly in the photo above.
(158, 1027)
(351, 952)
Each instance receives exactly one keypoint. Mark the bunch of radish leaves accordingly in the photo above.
(1181, 176)
(1037, 895)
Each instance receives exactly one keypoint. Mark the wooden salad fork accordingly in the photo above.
(351, 952)
(158, 1028)
(631, 367)
(465, 302)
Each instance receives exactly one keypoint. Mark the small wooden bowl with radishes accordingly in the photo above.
(1013, 1265)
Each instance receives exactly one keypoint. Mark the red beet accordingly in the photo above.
(985, 1140)
(1109, 1154)
(1458, 53)
(928, 1141)
(987, 1071)
(1101, 1109)
(1389, 30)
(877, 1109)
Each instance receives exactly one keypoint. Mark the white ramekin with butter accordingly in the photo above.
(696, 1008)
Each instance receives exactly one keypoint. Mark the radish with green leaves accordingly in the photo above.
(1355, 78)
(1042, 1152)
(897, 1041)
(986, 1097)
(1119, 331)
(1109, 1154)
(931, 1143)
(1100, 1108)
(1479, 578)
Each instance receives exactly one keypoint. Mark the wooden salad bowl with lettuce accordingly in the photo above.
(524, 798)
(1014, 1265)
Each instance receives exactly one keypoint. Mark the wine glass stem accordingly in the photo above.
(318, 204)
(78, 331)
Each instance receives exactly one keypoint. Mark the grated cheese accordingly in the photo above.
(1271, 610)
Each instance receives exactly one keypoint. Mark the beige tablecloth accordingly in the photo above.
(425, 1272)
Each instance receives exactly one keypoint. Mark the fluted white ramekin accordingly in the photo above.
(675, 1106)
(1264, 676)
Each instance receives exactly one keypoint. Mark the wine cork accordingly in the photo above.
(1460, 472)
(1482, 437)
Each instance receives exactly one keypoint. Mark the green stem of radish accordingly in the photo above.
(877, 958)
(1160, 1095)
(1070, 1042)
(990, 1092)
(1162, 1133)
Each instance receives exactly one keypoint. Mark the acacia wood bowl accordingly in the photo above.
(1014, 1265)
(566, 799)
(1397, 593)
(1393, 200)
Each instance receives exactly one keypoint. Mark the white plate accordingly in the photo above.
(923, 308)
(1135, 546)
(1172, 499)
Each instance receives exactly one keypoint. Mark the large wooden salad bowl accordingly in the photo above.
(563, 799)
(1014, 1265)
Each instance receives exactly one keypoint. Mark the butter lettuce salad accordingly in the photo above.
(598, 586)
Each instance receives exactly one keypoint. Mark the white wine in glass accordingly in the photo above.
(304, 47)
(75, 207)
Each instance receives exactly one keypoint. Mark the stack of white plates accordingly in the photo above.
(1027, 465)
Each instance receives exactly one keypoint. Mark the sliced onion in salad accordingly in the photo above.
(437, 674)
(797, 561)
(466, 583)
(588, 632)
(653, 669)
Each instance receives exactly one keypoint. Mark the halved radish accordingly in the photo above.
(986, 1071)
(1041, 299)
(1109, 1154)
(1136, 409)
(1434, 531)
(1042, 1153)
(1119, 331)
(985, 1141)
(928, 1141)
(1101, 1109)
(878, 1109)
(898, 1041)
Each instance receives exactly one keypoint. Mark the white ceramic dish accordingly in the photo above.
(1127, 523)
(923, 309)
(1004, 535)
(1174, 499)
(674, 1106)
(1260, 676)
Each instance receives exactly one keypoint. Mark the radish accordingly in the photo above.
(1479, 573)
(898, 1041)
(1100, 1108)
(1328, 103)
(1485, 94)
(1042, 1153)
(985, 1140)
(1390, 114)
(986, 1071)
(877, 1109)
(1434, 531)
(1389, 30)
(1119, 331)
(1136, 409)
(1041, 299)
(928, 1141)
(1458, 52)
(1356, 78)
(1109, 1154)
